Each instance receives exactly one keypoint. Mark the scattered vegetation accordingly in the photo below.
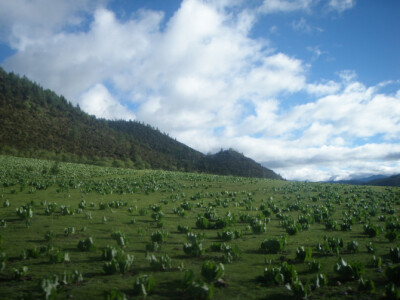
(193, 235)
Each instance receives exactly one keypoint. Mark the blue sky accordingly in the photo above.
(309, 88)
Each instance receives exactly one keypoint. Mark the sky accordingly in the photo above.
(308, 88)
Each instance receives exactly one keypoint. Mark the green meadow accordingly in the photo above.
(87, 232)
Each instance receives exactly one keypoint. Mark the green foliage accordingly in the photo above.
(212, 271)
(114, 294)
(161, 263)
(300, 290)
(25, 212)
(86, 245)
(330, 245)
(274, 245)
(392, 292)
(352, 247)
(314, 266)
(57, 256)
(184, 229)
(211, 197)
(273, 276)
(48, 288)
(371, 230)
(193, 248)
(303, 254)
(258, 226)
(159, 236)
(143, 285)
(200, 290)
(120, 264)
(120, 238)
(392, 235)
(376, 262)
(20, 273)
(3, 260)
(366, 285)
(349, 271)
(393, 274)
(394, 254)
(228, 235)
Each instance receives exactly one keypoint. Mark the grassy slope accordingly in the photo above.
(21, 177)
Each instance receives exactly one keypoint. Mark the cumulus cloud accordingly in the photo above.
(202, 78)
(99, 102)
(25, 22)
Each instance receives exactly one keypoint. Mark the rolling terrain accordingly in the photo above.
(35, 122)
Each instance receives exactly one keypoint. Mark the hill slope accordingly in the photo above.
(35, 122)
(377, 180)
(388, 181)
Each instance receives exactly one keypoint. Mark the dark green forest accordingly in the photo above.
(36, 122)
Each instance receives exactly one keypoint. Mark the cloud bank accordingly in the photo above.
(206, 81)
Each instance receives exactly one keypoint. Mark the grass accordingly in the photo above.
(39, 182)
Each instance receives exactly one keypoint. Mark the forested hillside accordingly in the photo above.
(36, 122)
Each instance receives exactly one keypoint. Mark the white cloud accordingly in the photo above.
(99, 102)
(326, 88)
(301, 25)
(341, 5)
(25, 22)
(277, 6)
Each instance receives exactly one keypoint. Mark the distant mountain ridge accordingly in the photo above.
(377, 180)
(35, 122)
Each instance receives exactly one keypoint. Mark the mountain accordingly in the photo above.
(35, 122)
(388, 181)
(379, 180)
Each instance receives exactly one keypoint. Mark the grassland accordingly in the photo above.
(60, 205)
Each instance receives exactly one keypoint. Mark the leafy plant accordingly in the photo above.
(3, 260)
(143, 285)
(352, 247)
(320, 280)
(392, 292)
(152, 247)
(48, 288)
(273, 276)
(314, 266)
(376, 261)
(371, 230)
(394, 254)
(193, 248)
(18, 274)
(392, 235)
(57, 256)
(162, 263)
(393, 274)
(114, 294)
(303, 254)
(370, 247)
(273, 246)
(120, 264)
(86, 245)
(49, 236)
(184, 229)
(200, 290)
(159, 236)
(212, 271)
(366, 285)
(349, 271)
(300, 290)
(120, 238)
